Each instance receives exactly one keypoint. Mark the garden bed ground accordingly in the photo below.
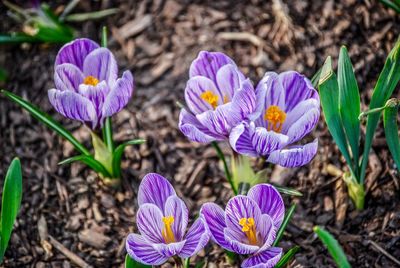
(66, 207)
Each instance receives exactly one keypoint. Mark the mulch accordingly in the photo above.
(68, 216)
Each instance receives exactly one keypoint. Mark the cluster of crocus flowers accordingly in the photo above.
(267, 122)
(162, 220)
(248, 226)
(87, 85)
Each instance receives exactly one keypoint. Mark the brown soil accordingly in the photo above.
(157, 40)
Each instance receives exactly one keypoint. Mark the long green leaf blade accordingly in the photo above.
(11, 202)
(89, 161)
(285, 222)
(329, 94)
(287, 190)
(117, 155)
(130, 263)
(333, 247)
(391, 132)
(349, 103)
(315, 78)
(387, 81)
(287, 257)
(47, 120)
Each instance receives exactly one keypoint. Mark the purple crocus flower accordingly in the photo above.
(218, 97)
(288, 108)
(87, 85)
(162, 219)
(248, 225)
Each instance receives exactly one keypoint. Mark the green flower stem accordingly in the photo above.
(186, 263)
(226, 168)
(243, 188)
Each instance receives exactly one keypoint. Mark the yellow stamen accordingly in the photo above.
(167, 233)
(210, 98)
(226, 99)
(249, 228)
(90, 80)
(275, 118)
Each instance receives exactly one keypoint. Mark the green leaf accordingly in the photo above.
(287, 257)
(287, 190)
(349, 103)
(387, 81)
(17, 38)
(333, 247)
(47, 120)
(117, 155)
(79, 17)
(285, 222)
(329, 94)
(11, 202)
(131, 263)
(391, 132)
(89, 161)
(101, 153)
(393, 5)
(315, 78)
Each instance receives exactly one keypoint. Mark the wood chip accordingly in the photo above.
(135, 26)
(93, 238)
(69, 254)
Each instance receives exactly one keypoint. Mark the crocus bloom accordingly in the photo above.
(288, 108)
(87, 85)
(248, 225)
(162, 219)
(218, 97)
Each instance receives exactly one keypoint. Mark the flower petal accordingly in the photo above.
(149, 222)
(195, 87)
(75, 52)
(194, 130)
(267, 232)
(240, 207)
(174, 206)
(303, 125)
(169, 250)
(196, 239)
(96, 94)
(67, 77)
(217, 121)
(236, 245)
(297, 112)
(208, 63)
(228, 80)
(266, 259)
(294, 156)
(155, 189)
(72, 105)
(119, 95)
(297, 88)
(269, 201)
(269, 91)
(240, 139)
(265, 142)
(214, 217)
(141, 251)
(243, 103)
(101, 64)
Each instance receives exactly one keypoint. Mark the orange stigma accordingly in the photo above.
(167, 233)
(210, 98)
(275, 118)
(91, 80)
(249, 228)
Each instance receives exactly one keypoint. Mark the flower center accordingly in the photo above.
(167, 233)
(90, 80)
(249, 228)
(210, 98)
(275, 118)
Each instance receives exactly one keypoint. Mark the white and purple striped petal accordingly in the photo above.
(149, 222)
(236, 245)
(169, 250)
(266, 259)
(119, 95)
(174, 206)
(241, 138)
(214, 217)
(75, 52)
(155, 189)
(269, 201)
(195, 87)
(207, 64)
(72, 105)
(194, 130)
(229, 80)
(267, 232)
(101, 64)
(142, 250)
(264, 142)
(196, 239)
(67, 77)
(294, 156)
